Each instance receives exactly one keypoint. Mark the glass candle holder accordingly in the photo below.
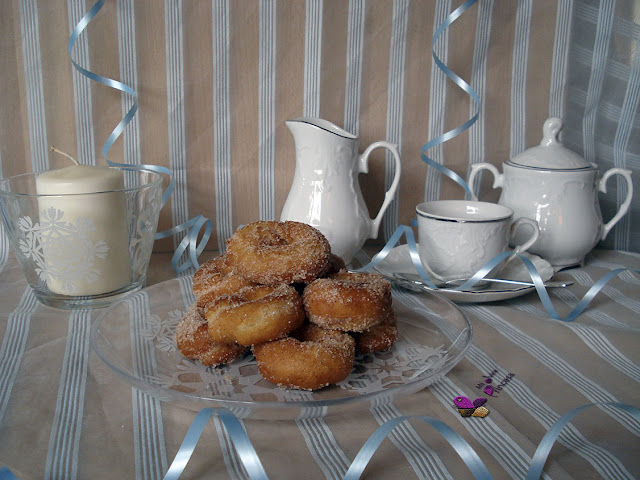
(82, 250)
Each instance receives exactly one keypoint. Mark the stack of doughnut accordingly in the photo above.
(280, 292)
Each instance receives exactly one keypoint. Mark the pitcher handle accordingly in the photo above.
(475, 169)
(602, 187)
(363, 167)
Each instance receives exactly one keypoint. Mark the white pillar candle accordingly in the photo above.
(84, 238)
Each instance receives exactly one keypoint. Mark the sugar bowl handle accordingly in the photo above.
(602, 187)
(476, 168)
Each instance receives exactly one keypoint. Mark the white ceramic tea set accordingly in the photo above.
(548, 208)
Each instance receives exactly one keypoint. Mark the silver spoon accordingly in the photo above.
(415, 278)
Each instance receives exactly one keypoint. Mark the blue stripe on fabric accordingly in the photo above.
(34, 86)
(266, 110)
(437, 101)
(355, 53)
(149, 443)
(477, 132)
(125, 12)
(601, 459)
(66, 428)
(588, 388)
(395, 106)
(175, 113)
(14, 344)
(312, 57)
(222, 122)
(504, 449)
(595, 340)
(605, 152)
(629, 109)
(584, 279)
(560, 59)
(622, 26)
(603, 33)
(4, 240)
(423, 459)
(519, 70)
(82, 97)
(323, 446)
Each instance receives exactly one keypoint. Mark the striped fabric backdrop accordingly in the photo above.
(217, 79)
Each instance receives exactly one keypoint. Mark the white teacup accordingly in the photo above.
(458, 237)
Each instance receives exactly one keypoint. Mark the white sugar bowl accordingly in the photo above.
(559, 189)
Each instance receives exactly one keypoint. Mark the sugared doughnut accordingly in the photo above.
(215, 278)
(193, 341)
(312, 358)
(378, 338)
(351, 302)
(334, 265)
(255, 314)
(270, 252)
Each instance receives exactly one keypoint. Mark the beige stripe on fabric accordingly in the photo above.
(243, 84)
(199, 108)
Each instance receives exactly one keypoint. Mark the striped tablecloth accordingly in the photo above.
(65, 414)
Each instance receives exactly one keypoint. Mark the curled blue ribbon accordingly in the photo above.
(189, 243)
(253, 466)
(466, 88)
(459, 444)
(239, 438)
(407, 232)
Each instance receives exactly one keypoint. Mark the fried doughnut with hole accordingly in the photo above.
(255, 314)
(378, 338)
(215, 278)
(351, 302)
(193, 341)
(270, 252)
(310, 359)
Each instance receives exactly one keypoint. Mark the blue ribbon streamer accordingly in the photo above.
(6, 474)
(406, 231)
(253, 466)
(544, 447)
(189, 243)
(459, 444)
(465, 87)
(239, 438)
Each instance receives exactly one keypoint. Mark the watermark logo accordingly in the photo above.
(476, 408)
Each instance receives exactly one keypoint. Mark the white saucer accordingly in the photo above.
(399, 261)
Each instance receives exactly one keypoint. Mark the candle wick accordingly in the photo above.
(65, 154)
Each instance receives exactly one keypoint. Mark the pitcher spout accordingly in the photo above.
(307, 123)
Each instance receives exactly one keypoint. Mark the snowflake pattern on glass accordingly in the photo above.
(63, 251)
(241, 379)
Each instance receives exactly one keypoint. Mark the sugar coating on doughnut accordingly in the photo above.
(270, 252)
(193, 341)
(378, 338)
(351, 302)
(255, 315)
(310, 359)
(215, 278)
(334, 265)
(217, 287)
(216, 267)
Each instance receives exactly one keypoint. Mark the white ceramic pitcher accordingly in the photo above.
(325, 192)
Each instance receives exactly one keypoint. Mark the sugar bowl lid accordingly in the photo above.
(550, 154)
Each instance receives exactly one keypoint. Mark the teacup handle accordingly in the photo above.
(363, 167)
(602, 187)
(534, 237)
